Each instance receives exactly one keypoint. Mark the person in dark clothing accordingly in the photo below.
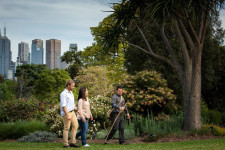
(118, 103)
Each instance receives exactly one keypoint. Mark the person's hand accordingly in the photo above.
(75, 109)
(122, 108)
(128, 116)
(68, 117)
(91, 118)
(83, 120)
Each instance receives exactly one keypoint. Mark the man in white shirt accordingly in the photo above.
(67, 108)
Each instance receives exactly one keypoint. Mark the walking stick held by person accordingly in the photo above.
(114, 122)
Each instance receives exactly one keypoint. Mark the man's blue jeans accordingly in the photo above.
(84, 129)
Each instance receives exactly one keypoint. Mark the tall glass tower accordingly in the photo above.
(5, 55)
(37, 52)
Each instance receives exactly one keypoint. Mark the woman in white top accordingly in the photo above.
(84, 115)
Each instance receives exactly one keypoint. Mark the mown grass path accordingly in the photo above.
(214, 144)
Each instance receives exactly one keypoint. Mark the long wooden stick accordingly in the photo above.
(115, 122)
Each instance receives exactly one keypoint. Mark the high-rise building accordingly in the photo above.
(5, 55)
(53, 53)
(72, 46)
(23, 53)
(37, 52)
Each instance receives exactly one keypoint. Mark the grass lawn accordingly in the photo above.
(215, 144)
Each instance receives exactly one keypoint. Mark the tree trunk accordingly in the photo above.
(191, 84)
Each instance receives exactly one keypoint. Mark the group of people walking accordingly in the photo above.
(68, 111)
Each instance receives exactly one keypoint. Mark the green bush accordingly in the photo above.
(148, 91)
(38, 136)
(212, 116)
(14, 130)
(8, 90)
(21, 109)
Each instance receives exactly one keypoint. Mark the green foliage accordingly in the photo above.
(148, 91)
(50, 84)
(38, 136)
(21, 109)
(14, 130)
(212, 116)
(1, 79)
(151, 124)
(74, 59)
(54, 120)
(8, 90)
(96, 79)
(27, 75)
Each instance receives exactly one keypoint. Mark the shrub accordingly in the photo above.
(148, 91)
(212, 116)
(99, 107)
(214, 129)
(96, 79)
(38, 136)
(151, 124)
(54, 120)
(14, 130)
(21, 109)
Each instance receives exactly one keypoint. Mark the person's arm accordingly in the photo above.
(114, 104)
(63, 105)
(80, 109)
(66, 112)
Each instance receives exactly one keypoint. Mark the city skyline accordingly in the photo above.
(68, 20)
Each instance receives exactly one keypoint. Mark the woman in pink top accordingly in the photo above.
(84, 115)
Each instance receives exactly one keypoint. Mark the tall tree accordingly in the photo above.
(188, 20)
(27, 75)
(73, 58)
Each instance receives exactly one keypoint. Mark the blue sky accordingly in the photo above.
(66, 20)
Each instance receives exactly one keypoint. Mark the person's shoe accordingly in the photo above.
(74, 145)
(124, 143)
(66, 146)
(106, 142)
(86, 145)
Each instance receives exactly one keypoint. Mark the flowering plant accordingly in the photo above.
(147, 90)
(54, 120)
(99, 107)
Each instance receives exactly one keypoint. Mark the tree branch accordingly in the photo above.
(186, 34)
(143, 36)
(151, 53)
(194, 33)
(169, 48)
(182, 44)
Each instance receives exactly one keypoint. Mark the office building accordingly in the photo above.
(5, 54)
(37, 52)
(73, 46)
(53, 53)
(23, 53)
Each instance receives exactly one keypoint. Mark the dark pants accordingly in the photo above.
(119, 124)
(83, 131)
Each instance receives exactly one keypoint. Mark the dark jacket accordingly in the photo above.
(115, 101)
